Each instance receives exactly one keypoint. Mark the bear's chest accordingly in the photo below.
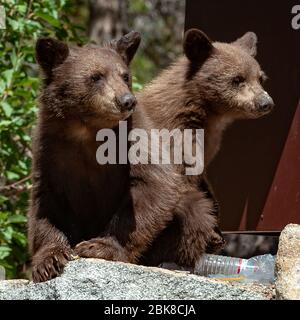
(87, 190)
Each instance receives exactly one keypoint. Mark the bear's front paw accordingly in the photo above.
(216, 242)
(102, 248)
(49, 263)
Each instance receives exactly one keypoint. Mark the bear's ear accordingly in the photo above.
(50, 53)
(248, 42)
(197, 46)
(128, 45)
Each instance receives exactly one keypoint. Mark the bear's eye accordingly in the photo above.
(238, 80)
(126, 77)
(97, 76)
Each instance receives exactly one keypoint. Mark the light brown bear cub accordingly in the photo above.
(211, 86)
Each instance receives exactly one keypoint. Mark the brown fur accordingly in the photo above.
(103, 211)
(210, 87)
(79, 98)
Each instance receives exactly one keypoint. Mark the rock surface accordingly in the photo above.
(288, 264)
(99, 279)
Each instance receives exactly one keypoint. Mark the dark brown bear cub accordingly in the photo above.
(109, 211)
(85, 89)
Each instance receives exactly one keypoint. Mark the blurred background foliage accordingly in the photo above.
(161, 25)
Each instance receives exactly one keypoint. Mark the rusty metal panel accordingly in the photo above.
(283, 202)
(256, 175)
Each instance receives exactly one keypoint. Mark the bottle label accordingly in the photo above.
(242, 265)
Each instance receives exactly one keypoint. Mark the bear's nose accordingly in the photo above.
(126, 102)
(265, 103)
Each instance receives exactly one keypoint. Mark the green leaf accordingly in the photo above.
(17, 218)
(136, 86)
(7, 109)
(22, 164)
(4, 252)
(20, 238)
(2, 200)
(3, 215)
(7, 74)
(2, 85)
(4, 124)
(12, 175)
(7, 233)
(26, 138)
(13, 58)
(48, 18)
(63, 3)
(28, 81)
(13, 23)
(22, 8)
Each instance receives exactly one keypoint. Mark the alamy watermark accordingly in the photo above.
(296, 17)
(2, 18)
(155, 146)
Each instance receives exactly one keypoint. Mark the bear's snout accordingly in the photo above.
(126, 102)
(264, 103)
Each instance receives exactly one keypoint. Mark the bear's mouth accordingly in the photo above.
(127, 114)
(117, 116)
(257, 113)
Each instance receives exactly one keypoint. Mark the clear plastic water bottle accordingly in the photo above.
(259, 268)
(2, 273)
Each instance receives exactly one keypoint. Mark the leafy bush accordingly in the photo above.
(26, 20)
